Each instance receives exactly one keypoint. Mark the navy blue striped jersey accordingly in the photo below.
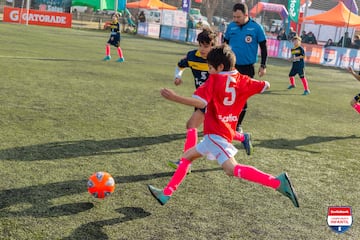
(297, 52)
(198, 65)
(114, 28)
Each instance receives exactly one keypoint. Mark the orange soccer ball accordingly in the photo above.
(101, 184)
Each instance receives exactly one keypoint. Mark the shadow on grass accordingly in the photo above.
(283, 143)
(73, 149)
(36, 201)
(283, 92)
(93, 230)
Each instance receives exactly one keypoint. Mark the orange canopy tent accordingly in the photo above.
(150, 4)
(339, 16)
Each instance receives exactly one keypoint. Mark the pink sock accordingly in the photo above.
(292, 81)
(120, 52)
(178, 177)
(191, 138)
(305, 83)
(357, 107)
(107, 50)
(254, 175)
(239, 137)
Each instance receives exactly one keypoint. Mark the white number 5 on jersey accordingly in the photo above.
(230, 100)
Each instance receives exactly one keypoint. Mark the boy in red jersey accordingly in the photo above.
(355, 102)
(224, 95)
(114, 39)
(196, 61)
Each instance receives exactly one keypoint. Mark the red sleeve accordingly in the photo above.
(204, 92)
(254, 86)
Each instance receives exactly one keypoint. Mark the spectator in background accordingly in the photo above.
(356, 43)
(190, 25)
(190, 22)
(277, 30)
(76, 13)
(222, 29)
(199, 24)
(344, 42)
(329, 43)
(303, 36)
(282, 35)
(291, 34)
(310, 38)
(142, 17)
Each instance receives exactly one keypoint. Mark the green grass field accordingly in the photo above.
(66, 114)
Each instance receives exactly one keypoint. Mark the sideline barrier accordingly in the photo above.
(149, 29)
(155, 30)
(316, 54)
(36, 17)
(173, 33)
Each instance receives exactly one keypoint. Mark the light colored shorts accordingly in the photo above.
(217, 148)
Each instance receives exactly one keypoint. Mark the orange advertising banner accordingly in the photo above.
(313, 53)
(35, 17)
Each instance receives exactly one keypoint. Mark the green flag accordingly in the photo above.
(293, 9)
(96, 4)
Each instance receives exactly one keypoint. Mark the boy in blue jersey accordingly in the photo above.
(114, 39)
(196, 61)
(244, 36)
(297, 59)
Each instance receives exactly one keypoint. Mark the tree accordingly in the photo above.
(210, 7)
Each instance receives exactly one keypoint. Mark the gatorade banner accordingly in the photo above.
(293, 9)
(35, 17)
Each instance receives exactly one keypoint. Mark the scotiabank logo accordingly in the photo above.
(17, 15)
(229, 118)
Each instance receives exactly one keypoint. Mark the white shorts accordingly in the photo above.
(217, 148)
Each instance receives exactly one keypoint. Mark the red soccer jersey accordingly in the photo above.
(225, 95)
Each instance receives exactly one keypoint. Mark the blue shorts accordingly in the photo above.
(217, 148)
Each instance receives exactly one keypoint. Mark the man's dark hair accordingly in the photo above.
(242, 7)
(222, 55)
(207, 37)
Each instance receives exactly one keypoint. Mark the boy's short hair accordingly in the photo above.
(296, 37)
(207, 36)
(222, 55)
(117, 15)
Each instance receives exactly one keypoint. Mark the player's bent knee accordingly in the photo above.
(353, 102)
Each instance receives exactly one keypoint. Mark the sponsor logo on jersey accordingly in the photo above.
(229, 118)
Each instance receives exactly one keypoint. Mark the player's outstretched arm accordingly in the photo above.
(172, 96)
(351, 70)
